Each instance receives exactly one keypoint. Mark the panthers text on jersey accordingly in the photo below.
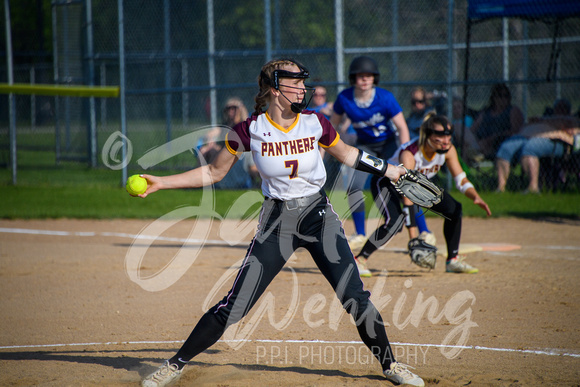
(288, 160)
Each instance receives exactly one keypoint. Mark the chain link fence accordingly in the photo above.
(178, 62)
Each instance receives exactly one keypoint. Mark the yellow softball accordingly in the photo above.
(136, 185)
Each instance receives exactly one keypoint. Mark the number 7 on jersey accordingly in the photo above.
(293, 165)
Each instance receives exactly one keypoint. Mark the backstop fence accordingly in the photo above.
(177, 62)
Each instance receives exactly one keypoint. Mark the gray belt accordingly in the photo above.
(305, 201)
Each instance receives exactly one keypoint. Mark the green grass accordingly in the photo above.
(110, 202)
(514, 204)
(73, 191)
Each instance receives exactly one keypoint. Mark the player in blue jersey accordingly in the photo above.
(296, 212)
(378, 119)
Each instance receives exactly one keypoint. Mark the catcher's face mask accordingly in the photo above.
(439, 144)
(274, 81)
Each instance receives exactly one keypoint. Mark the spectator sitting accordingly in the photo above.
(499, 120)
(419, 109)
(210, 145)
(319, 103)
(437, 100)
(541, 137)
(465, 140)
(234, 112)
(212, 142)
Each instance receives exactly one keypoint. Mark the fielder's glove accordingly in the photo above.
(422, 254)
(419, 189)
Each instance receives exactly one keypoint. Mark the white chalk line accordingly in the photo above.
(114, 234)
(547, 352)
(182, 240)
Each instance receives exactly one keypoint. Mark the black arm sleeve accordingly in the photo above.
(371, 164)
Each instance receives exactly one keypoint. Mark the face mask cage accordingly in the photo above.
(297, 107)
(439, 120)
(274, 81)
(447, 132)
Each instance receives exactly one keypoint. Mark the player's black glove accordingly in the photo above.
(422, 254)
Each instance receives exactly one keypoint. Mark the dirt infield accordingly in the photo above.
(74, 313)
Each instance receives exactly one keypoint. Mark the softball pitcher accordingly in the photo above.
(296, 212)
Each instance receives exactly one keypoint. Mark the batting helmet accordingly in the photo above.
(363, 64)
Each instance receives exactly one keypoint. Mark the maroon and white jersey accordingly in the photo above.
(288, 160)
(428, 167)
